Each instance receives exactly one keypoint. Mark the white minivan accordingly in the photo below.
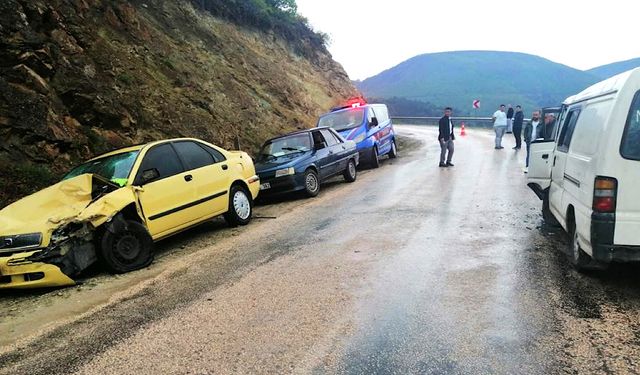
(588, 175)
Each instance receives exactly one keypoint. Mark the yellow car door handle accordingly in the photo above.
(188, 177)
(225, 167)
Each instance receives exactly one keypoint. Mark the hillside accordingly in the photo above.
(81, 77)
(457, 78)
(610, 70)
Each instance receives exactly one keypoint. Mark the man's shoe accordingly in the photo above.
(449, 164)
(442, 165)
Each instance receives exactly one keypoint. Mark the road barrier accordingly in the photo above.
(482, 122)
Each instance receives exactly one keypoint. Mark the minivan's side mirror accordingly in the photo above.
(149, 175)
(374, 122)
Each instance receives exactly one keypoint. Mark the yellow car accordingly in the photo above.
(113, 207)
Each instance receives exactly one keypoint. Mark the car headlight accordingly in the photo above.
(360, 138)
(20, 241)
(285, 172)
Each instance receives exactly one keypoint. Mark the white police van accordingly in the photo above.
(588, 175)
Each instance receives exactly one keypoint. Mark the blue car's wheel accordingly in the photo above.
(311, 183)
(375, 163)
(350, 173)
(394, 151)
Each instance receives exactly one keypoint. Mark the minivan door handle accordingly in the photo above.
(545, 156)
(188, 177)
(225, 167)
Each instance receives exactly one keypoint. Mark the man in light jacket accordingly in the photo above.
(499, 125)
(532, 131)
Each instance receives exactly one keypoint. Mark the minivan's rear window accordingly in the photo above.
(630, 146)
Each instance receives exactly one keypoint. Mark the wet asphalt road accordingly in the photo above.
(411, 269)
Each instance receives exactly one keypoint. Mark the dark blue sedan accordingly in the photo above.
(303, 159)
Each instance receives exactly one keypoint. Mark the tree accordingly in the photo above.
(286, 6)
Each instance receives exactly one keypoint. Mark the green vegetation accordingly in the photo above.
(279, 16)
(23, 178)
(457, 78)
(406, 107)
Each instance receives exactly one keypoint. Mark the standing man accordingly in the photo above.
(446, 138)
(531, 133)
(510, 119)
(549, 126)
(499, 125)
(518, 119)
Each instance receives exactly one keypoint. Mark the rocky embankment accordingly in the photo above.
(81, 77)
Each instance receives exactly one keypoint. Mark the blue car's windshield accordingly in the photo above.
(115, 168)
(343, 120)
(286, 146)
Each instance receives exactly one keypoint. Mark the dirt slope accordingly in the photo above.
(80, 77)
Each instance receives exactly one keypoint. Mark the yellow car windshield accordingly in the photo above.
(115, 168)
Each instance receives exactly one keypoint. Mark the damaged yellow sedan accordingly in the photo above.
(113, 207)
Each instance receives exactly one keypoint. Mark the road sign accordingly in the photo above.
(476, 104)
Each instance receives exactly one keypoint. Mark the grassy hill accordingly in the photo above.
(81, 77)
(457, 78)
(610, 70)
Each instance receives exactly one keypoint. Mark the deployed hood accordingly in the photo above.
(83, 198)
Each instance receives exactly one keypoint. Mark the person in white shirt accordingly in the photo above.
(531, 133)
(499, 125)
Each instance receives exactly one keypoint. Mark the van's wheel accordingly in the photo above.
(547, 215)
(579, 258)
(240, 207)
(350, 173)
(375, 163)
(311, 183)
(126, 248)
(394, 150)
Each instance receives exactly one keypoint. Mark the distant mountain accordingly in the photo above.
(457, 78)
(610, 70)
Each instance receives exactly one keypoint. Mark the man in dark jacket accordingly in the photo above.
(446, 138)
(518, 120)
(510, 119)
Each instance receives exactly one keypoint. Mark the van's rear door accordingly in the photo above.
(628, 176)
(540, 164)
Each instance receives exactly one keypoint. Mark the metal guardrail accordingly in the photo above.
(485, 122)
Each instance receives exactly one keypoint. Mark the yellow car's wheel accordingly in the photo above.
(240, 207)
(126, 247)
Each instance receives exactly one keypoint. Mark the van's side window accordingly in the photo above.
(630, 146)
(370, 115)
(564, 141)
(381, 113)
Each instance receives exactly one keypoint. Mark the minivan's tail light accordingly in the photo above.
(604, 194)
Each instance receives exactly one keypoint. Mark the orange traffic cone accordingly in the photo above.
(462, 132)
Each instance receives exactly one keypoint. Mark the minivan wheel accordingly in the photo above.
(394, 151)
(128, 248)
(580, 260)
(311, 183)
(375, 163)
(240, 207)
(350, 173)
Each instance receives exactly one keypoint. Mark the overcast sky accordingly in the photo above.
(368, 37)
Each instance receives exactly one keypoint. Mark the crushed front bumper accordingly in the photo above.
(18, 272)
